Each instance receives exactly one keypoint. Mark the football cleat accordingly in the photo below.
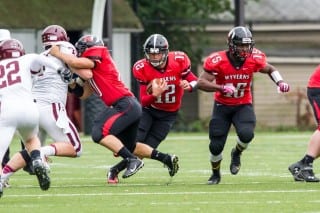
(173, 165)
(306, 173)
(295, 169)
(235, 162)
(112, 176)
(215, 178)
(133, 166)
(6, 184)
(41, 173)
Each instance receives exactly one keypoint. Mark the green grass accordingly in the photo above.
(262, 185)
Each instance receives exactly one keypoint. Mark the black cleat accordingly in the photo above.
(235, 162)
(134, 164)
(41, 173)
(295, 169)
(173, 165)
(112, 176)
(215, 178)
(306, 173)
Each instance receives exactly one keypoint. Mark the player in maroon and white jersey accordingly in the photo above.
(19, 112)
(303, 169)
(116, 126)
(161, 105)
(229, 74)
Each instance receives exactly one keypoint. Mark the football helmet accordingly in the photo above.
(53, 33)
(87, 41)
(240, 42)
(156, 44)
(11, 48)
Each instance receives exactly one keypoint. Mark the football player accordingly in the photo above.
(160, 105)
(5, 34)
(50, 91)
(229, 74)
(303, 169)
(116, 126)
(19, 112)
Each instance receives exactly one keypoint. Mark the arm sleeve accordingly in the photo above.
(145, 99)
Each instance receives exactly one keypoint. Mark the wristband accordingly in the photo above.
(276, 76)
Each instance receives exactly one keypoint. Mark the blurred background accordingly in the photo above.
(287, 31)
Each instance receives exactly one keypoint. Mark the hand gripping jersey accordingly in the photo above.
(106, 80)
(219, 65)
(177, 68)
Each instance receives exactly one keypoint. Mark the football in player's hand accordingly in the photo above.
(157, 81)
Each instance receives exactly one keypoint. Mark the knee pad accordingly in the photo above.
(96, 135)
(216, 145)
(246, 135)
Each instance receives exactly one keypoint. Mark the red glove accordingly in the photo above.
(283, 87)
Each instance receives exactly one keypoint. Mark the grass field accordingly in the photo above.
(262, 185)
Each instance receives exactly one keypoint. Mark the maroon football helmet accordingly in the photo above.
(11, 48)
(53, 33)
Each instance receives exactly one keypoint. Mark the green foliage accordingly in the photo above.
(181, 22)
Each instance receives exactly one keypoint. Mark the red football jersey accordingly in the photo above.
(106, 79)
(314, 80)
(241, 77)
(177, 68)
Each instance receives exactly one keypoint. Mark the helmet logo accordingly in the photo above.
(154, 50)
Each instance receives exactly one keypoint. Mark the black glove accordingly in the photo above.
(65, 74)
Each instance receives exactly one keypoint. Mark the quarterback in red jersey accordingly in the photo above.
(161, 106)
(229, 74)
(115, 127)
(303, 169)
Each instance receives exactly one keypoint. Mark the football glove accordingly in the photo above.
(65, 74)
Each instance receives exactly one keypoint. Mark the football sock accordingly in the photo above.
(156, 155)
(34, 154)
(308, 160)
(48, 151)
(121, 165)
(125, 153)
(7, 171)
(215, 166)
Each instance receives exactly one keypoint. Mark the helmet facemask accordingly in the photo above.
(241, 50)
(156, 62)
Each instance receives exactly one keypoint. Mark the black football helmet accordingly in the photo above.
(154, 44)
(240, 42)
(87, 41)
(11, 48)
(53, 33)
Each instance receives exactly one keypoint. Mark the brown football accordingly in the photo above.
(149, 86)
